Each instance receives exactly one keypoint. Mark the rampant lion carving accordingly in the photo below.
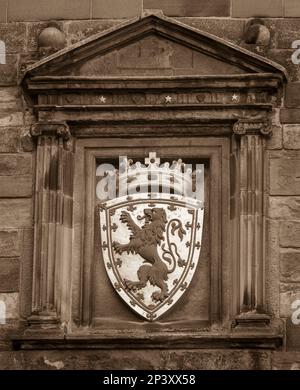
(145, 241)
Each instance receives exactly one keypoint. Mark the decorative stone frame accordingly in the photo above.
(70, 135)
(214, 151)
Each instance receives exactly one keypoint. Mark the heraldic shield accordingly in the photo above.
(150, 246)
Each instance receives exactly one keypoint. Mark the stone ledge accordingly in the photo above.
(254, 339)
(137, 359)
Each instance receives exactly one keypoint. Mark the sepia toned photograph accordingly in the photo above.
(149, 188)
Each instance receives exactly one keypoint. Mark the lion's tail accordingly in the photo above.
(169, 257)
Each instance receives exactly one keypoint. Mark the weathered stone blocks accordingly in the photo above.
(290, 115)
(289, 292)
(102, 9)
(77, 30)
(291, 8)
(285, 176)
(284, 207)
(232, 30)
(9, 275)
(14, 36)
(291, 137)
(275, 142)
(292, 96)
(190, 7)
(247, 9)
(134, 359)
(286, 360)
(9, 243)
(11, 118)
(16, 186)
(9, 139)
(293, 341)
(15, 213)
(10, 99)
(3, 9)
(11, 301)
(9, 71)
(15, 164)
(47, 10)
(290, 234)
(290, 266)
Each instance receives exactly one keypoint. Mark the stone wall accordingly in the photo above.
(20, 24)
(36, 10)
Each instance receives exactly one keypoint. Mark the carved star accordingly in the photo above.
(168, 99)
(102, 99)
(235, 97)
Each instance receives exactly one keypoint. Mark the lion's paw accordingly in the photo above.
(159, 296)
(117, 247)
(133, 286)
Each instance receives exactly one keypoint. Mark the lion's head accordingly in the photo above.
(155, 214)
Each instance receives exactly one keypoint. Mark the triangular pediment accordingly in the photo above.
(152, 46)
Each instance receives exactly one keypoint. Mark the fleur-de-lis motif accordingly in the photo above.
(118, 262)
(198, 245)
(151, 316)
(183, 286)
(140, 296)
(188, 225)
(114, 227)
(104, 245)
(131, 208)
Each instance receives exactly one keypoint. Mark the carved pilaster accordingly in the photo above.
(53, 220)
(250, 194)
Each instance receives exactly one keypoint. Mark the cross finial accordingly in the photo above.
(152, 159)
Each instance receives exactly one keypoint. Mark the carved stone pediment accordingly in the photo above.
(152, 46)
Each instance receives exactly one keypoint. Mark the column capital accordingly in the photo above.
(253, 126)
(58, 129)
